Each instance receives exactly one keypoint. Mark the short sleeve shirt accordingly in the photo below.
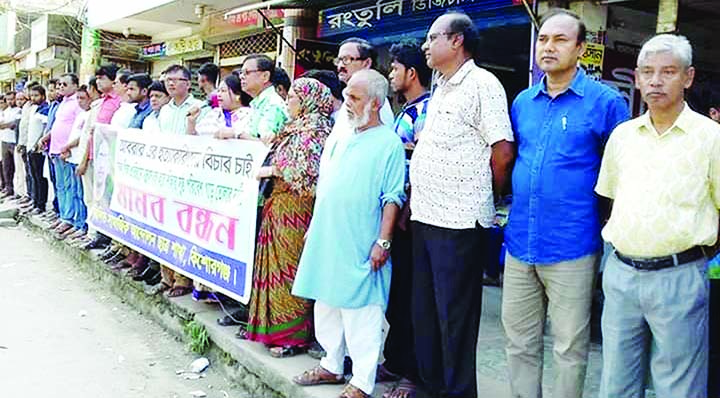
(450, 168)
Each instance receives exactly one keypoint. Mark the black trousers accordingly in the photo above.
(714, 359)
(51, 167)
(36, 162)
(447, 302)
(28, 177)
(8, 166)
(400, 343)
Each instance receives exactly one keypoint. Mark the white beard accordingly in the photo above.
(356, 122)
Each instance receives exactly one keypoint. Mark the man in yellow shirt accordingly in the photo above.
(662, 171)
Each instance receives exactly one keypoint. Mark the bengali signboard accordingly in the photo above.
(184, 45)
(188, 202)
(154, 50)
(592, 60)
(314, 55)
(387, 13)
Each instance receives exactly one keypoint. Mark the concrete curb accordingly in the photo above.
(244, 363)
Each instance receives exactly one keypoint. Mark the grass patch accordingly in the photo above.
(198, 336)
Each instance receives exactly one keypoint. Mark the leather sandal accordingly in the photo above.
(350, 391)
(318, 376)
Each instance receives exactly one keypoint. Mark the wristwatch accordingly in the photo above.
(384, 243)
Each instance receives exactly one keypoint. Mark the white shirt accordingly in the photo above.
(36, 127)
(9, 115)
(337, 141)
(123, 116)
(151, 122)
(76, 153)
(450, 171)
(24, 120)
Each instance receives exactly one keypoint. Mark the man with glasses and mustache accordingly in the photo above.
(460, 164)
(269, 112)
(173, 117)
(355, 54)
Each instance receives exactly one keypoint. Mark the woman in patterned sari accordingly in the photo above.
(277, 318)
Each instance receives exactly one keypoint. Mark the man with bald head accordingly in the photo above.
(345, 266)
(459, 165)
(553, 237)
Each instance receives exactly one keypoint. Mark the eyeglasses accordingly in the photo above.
(176, 80)
(61, 84)
(248, 71)
(347, 60)
(433, 36)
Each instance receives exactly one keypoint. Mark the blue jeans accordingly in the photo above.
(658, 318)
(75, 199)
(62, 186)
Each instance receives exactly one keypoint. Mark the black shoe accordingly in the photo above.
(108, 254)
(153, 277)
(237, 317)
(96, 243)
(141, 275)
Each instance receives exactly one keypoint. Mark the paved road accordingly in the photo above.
(61, 335)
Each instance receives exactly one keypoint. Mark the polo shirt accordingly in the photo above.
(554, 215)
(665, 188)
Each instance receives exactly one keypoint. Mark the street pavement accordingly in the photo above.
(62, 335)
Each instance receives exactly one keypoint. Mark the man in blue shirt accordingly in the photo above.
(553, 235)
(137, 90)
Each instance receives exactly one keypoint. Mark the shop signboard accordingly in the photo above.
(7, 71)
(386, 14)
(154, 50)
(314, 55)
(184, 45)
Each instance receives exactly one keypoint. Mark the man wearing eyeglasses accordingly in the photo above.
(173, 117)
(355, 54)
(460, 164)
(269, 110)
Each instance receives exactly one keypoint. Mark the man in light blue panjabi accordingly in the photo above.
(345, 264)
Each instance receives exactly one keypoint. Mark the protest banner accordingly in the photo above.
(188, 202)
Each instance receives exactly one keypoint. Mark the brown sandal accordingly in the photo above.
(317, 376)
(350, 391)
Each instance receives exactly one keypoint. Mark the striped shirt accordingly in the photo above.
(411, 119)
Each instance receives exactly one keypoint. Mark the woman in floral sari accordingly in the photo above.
(277, 318)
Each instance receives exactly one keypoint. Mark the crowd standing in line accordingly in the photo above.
(372, 229)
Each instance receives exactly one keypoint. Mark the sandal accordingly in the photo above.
(404, 389)
(242, 333)
(384, 375)
(317, 376)
(162, 287)
(286, 351)
(177, 291)
(350, 391)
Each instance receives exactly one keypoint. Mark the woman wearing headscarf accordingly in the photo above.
(277, 318)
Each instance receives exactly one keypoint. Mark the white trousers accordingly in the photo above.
(359, 331)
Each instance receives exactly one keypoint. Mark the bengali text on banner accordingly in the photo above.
(188, 202)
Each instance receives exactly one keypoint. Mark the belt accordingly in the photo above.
(657, 263)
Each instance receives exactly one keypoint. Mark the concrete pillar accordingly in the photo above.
(299, 23)
(667, 16)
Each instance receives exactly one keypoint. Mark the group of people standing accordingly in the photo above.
(372, 229)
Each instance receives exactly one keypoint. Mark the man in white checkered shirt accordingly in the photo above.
(461, 163)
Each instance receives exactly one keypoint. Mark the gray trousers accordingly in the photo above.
(562, 291)
(656, 317)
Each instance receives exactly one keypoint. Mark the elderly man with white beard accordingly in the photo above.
(345, 266)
